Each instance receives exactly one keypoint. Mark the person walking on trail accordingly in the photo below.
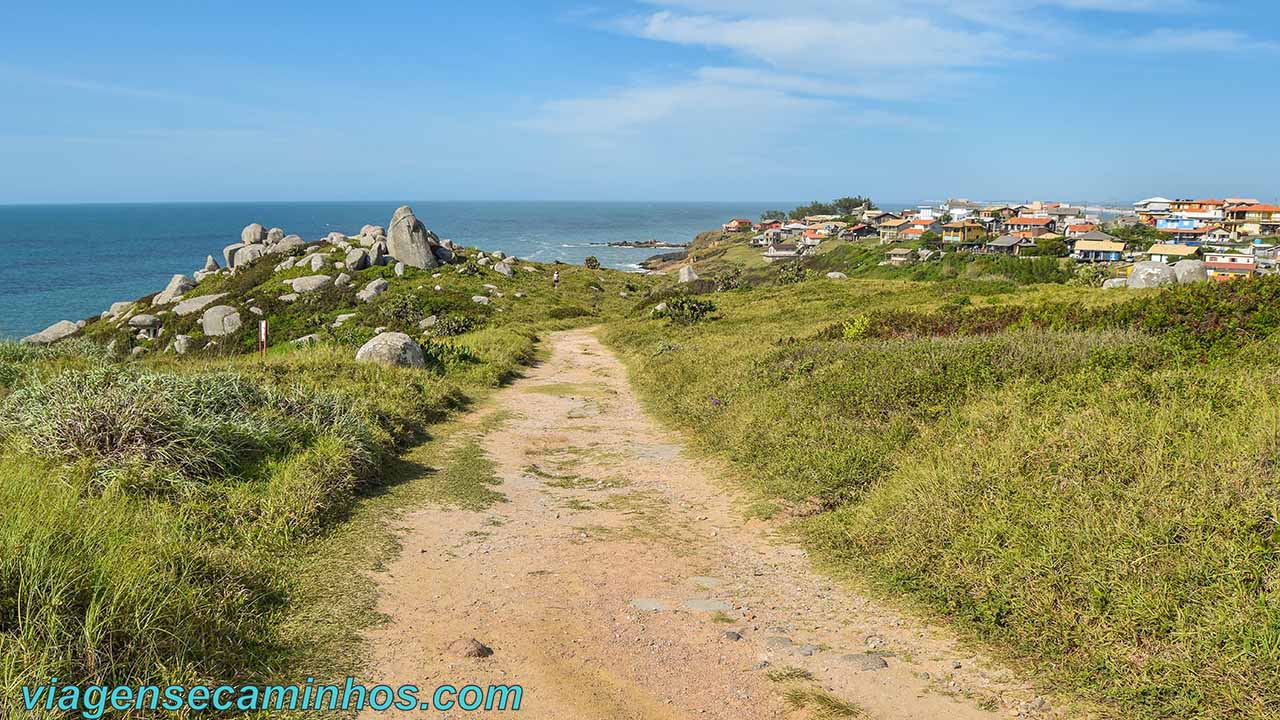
(555, 279)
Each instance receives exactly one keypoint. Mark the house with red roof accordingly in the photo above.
(1035, 226)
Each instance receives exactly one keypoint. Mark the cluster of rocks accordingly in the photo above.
(1150, 274)
(404, 243)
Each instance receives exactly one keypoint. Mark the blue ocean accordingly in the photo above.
(72, 261)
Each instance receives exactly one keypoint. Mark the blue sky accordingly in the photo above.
(659, 100)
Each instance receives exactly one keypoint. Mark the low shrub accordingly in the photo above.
(686, 310)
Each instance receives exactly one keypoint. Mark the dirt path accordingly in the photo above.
(608, 583)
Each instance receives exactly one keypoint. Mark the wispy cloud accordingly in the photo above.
(1217, 41)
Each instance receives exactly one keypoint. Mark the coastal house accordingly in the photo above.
(771, 224)
(854, 232)
(1229, 266)
(1079, 229)
(876, 218)
(997, 212)
(782, 251)
(1152, 208)
(1201, 211)
(1250, 220)
(962, 232)
(813, 237)
(891, 230)
(1098, 246)
(1004, 245)
(1033, 225)
(1161, 252)
(1064, 215)
(794, 229)
(899, 256)
(737, 225)
(1186, 236)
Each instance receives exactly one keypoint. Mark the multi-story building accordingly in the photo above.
(1251, 220)
(1229, 266)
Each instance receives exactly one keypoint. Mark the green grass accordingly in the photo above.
(820, 704)
(1089, 488)
(789, 674)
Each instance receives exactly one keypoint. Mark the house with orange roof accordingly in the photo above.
(1251, 220)
(891, 230)
(737, 225)
(1079, 229)
(1035, 225)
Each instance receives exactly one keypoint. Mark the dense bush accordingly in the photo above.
(686, 310)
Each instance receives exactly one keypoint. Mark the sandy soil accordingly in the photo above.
(606, 584)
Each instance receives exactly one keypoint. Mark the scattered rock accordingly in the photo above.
(779, 641)
(1150, 274)
(480, 299)
(469, 649)
(428, 321)
(317, 262)
(310, 283)
(648, 604)
(178, 285)
(274, 235)
(687, 275)
(837, 276)
(731, 635)
(211, 265)
(956, 665)
(337, 322)
(875, 641)
(372, 290)
(119, 308)
(247, 254)
(503, 268)
(144, 321)
(399, 269)
(357, 259)
(288, 244)
(196, 304)
(392, 348)
(181, 344)
(220, 320)
(60, 330)
(306, 340)
(289, 297)
(342, 280)
(1115, 283)
(807, 650)
(286, 265)
(865, 662)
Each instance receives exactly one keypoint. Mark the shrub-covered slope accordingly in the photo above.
(1083, 478)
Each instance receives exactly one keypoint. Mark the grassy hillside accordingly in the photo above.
(160, 515)
(1084, 479)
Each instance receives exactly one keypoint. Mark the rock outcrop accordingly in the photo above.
(60, 330)
(1150, 274)
(409, 241)
(392, 348)
(1191, 271)
(253, 233)
(194, 305)
(173, 292)
(220, 320)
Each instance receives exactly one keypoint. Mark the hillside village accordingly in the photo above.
(1232, 237)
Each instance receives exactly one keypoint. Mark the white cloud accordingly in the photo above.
(1175, 40)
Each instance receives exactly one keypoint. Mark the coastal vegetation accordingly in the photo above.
(163, 515)
(1083, 479)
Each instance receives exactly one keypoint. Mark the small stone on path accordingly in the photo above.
(865, 662)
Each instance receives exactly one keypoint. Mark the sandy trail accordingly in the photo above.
(606, 584)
